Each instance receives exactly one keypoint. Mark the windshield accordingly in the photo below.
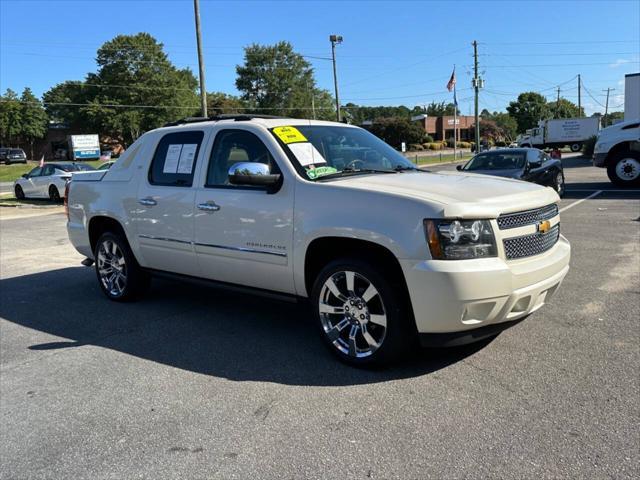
(502, 160)
(322, 150)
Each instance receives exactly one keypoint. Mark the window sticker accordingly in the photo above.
(289, 135)
(187, 156)
(306, 154)
(172, 159)
(314, 173)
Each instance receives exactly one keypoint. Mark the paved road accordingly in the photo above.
(196, 383)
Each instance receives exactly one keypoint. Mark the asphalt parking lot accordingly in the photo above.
(193, 382)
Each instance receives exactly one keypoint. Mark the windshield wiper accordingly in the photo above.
(402, 168)
(355, 171)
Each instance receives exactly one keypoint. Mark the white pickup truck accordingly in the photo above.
(386, 254)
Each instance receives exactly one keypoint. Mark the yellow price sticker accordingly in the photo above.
(289, 134)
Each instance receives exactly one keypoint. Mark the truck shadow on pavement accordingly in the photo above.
(194, 328)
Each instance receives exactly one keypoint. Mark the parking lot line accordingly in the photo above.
(594, 194)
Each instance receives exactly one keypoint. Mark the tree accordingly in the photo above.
(565, 109)
(359, 113)
(486, 114)
(507, 124)
(613, 117)
(528, 110)
(490, 130)
(135, 89)
(220, 103)
(10, 117)
(276, 80)
(441, 109)
(396, 130)
(34, 118)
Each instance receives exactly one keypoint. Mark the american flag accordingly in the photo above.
(452, 81)
(42, 161)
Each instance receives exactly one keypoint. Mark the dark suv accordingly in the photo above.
(13, 155)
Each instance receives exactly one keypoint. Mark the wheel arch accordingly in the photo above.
(616, 149)
(322, 250)
(101, 224)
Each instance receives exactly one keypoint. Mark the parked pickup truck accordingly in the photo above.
(386, 253)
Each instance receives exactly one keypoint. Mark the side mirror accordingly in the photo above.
(459, 168)
(252, 173)
(25, 175)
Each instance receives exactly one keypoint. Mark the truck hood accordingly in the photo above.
(458, 194)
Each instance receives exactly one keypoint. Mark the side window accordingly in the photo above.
(233, 146)
(175, 159)
(35, 172)
(47, 170)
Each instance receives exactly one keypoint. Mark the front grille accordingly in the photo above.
(529, 245)
(527, 217)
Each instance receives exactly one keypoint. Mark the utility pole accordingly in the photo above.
(476, 87)
(579, 96)
(558, 104)
(606, 107)
(335, 39)
(203, 91)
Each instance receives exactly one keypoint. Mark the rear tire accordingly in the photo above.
(19, 192)
(119, 275)
(54, 194)
(363, 319)
(624, 169)
(575, 147)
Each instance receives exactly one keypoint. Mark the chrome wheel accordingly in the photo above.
(352, 313)
(112, 268)
(628, 169)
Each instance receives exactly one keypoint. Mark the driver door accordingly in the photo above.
(29, 185)
(244, 234)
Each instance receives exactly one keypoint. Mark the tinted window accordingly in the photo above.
(35, 172)
(233, 146)
(48, 170)
(175, 159)
(16, 152)
(504, 160)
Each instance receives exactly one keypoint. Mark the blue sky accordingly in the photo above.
(393, 52)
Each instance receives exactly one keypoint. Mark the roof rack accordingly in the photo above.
(238, 117)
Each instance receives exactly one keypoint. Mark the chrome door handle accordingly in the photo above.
(209, 206)
(147, 202)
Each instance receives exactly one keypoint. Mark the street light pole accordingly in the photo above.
(203, 91)
(476, 87)
(335, 39)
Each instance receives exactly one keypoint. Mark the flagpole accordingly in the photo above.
(455, 120)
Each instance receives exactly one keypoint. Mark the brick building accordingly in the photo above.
(441, 128)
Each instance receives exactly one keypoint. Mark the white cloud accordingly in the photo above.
(619, 62)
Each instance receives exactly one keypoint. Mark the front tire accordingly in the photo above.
(624, 169)
(54, 194)
(362, 317)
(19, 192)
(558, 183)
(120, 276)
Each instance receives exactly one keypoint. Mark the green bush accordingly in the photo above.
(415, 147)
(435, 146)
(500, 143)
(428, 139)
(589, 145)
(464, 145)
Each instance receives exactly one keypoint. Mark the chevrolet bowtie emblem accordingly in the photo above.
(544, 226)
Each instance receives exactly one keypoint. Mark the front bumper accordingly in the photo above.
(599, 159)
(464, 295)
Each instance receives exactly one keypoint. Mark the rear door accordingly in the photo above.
(164, 217)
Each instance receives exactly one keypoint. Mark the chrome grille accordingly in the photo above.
(529, 245)
(527, 217)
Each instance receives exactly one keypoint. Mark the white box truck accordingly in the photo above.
(560, 133)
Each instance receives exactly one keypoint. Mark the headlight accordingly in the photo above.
(599, 146)
(460, 239)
